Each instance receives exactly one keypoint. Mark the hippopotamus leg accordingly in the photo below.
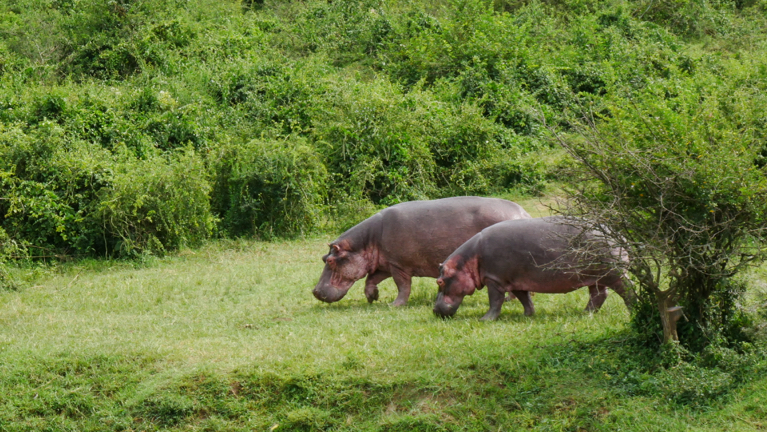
(403, 281)
(628, 295)
(495, 295)
(598, 296)
(371, 284)
(509, 297)
(527, 303)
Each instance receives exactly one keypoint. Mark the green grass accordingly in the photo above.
(229, 337)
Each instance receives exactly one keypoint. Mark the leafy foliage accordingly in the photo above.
(388, 101)
(269, 187)
(156, 204)
(673, 175)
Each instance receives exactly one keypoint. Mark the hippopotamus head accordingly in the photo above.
(343, 267)
(458, 278)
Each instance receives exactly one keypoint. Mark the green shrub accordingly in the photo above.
(346, 211)
(269, 188)
(50, 186)
(374, 143)
(348, 31)
(9, 250)
(156, 205)
(689, 17)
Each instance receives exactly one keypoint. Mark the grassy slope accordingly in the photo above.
(228, 337)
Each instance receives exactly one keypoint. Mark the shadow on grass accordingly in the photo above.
(517, 315)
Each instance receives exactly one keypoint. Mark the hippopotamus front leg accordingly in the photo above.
(527, 303)
(403, 281)
(371, 284)
(495, 295)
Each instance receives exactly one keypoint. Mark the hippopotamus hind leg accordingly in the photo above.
(627, 294)
(403, 282)
(371, 284)
(527, 303)
(598, 295)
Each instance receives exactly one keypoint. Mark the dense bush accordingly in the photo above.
(156, 204)
(269, 188)
(375, 144)
(9, 250)
(50, 186)
(377, 102)
(673, 175)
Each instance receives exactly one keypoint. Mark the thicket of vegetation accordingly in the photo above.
(131, 126)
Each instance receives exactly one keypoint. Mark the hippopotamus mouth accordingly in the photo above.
(329, 293)
(444, 308)
(330, 289)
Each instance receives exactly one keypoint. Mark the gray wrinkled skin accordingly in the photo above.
(518, 257)
(406, 240)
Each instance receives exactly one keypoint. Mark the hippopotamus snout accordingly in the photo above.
(328, 290)
(443, 308)
(328, 294)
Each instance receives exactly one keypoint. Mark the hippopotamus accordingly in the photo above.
(530, 255)
(406, 240)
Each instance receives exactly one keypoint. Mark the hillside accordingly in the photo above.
(133, 127)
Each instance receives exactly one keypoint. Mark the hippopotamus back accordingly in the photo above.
(419, 235)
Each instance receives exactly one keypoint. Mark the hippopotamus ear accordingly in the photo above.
(335, 248)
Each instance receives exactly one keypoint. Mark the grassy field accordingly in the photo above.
(229, 337)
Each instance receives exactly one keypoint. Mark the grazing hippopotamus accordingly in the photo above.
(406, 240)
(524, 256)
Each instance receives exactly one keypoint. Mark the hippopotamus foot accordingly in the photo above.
(371, 285)
(371, 293)
(399, 302)
(627, 294)
(495, 295)
(490, 316)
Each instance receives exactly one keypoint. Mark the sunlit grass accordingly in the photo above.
(182, 332)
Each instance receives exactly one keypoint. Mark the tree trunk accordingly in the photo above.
(669, 315)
